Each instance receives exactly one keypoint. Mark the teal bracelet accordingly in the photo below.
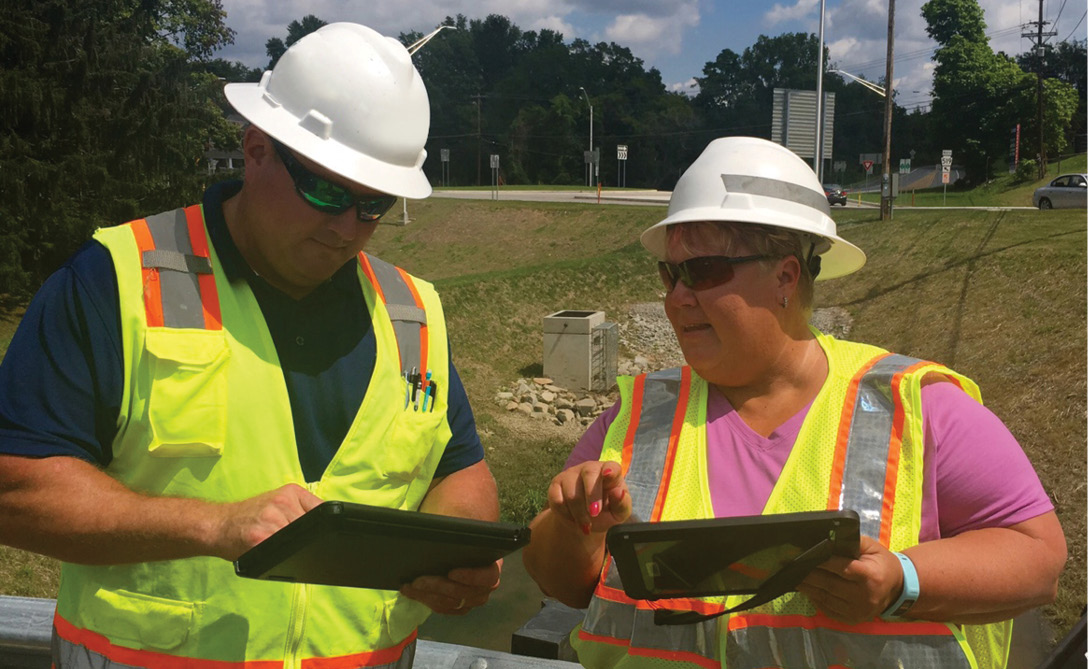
(910, 592)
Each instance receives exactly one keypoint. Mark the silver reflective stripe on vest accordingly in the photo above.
(659, 396)
(757, 647)
(181, 303)
(68, 655)
(623, 621)
(866, 464)
(407, 317)
(660, 393)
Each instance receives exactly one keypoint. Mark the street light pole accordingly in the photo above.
(592, 164)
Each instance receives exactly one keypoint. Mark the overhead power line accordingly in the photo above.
(1076, 26)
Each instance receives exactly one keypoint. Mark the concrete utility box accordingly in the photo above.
(580, 350)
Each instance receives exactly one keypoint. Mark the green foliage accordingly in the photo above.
(1026, 170)
(105, 117)
(950, 19)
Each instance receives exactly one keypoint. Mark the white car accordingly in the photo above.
(1069, 191)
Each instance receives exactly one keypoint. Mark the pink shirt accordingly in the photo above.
(976, 475)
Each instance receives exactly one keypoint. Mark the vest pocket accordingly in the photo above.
(145, 621)
(187, 399)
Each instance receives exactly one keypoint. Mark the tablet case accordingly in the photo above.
(764, 555)
(346, 544)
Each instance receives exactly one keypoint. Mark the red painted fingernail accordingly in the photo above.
(607, 471)
(595, 509)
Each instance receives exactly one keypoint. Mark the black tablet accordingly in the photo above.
(728, 556)
(340, 543)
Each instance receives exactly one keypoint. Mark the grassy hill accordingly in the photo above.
(1000, 296)
(1002, 191)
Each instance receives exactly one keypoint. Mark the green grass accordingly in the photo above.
(1000, 191)
(999, 296)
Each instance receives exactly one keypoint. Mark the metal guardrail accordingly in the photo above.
(26, 625)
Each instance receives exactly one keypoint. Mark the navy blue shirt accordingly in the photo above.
(61, 380)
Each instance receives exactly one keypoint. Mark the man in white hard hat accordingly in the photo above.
(191, 382)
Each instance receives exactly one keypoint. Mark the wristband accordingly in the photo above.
(910, 590)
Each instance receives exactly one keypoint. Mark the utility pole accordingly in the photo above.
(1038, 36)
(889, 106)
(478, 138)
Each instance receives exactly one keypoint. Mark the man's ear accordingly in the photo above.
(257, 147)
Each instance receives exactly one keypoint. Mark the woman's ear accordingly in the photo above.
(789, 274)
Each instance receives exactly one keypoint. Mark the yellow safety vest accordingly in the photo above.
(860, 447)
(205, 414)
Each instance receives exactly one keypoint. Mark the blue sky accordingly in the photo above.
(679, 37)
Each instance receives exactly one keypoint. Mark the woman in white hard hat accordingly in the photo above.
(771, 416)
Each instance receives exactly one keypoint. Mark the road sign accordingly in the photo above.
(494, 161)
(945, 177)
(839, 166)
(868, 165)
(444, 155)
(904, 165)
(946, 162)
(621, 152)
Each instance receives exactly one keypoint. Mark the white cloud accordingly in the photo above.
(801, 9)
(649, 36)
(689, 87)
(553, 23)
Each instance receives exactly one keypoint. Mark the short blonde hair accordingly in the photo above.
(699, 237)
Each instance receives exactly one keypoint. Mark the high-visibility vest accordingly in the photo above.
(860, 447)
(205, 414)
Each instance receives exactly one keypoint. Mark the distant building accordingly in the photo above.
(219, 160)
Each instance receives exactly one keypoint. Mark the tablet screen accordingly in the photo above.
(722, 556)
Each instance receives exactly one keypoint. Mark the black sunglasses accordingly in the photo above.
(703, 273)
(330, 198)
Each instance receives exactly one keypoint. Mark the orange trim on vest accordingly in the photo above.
(842, 439)
(370, 659)
(209, 294)
(612, 641)
(422, 326)
(674, 439)
(632, 425)
(369, 271)
(673, 655)
(97, 643)
(741, 620)
(152, 287)
(617, 596)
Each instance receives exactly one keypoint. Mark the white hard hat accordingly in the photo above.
(350, 100)
(752, 180)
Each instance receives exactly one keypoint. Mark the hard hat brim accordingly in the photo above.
(840, 259)
(406, 181)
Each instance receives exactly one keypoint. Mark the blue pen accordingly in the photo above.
(427, 392)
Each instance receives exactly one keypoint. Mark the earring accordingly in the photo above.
(785, 301)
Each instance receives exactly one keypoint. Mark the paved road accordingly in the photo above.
(641, 197)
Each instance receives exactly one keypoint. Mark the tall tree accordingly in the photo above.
(736, 92)
(979, 96)
(105, 117)
(296, 30)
